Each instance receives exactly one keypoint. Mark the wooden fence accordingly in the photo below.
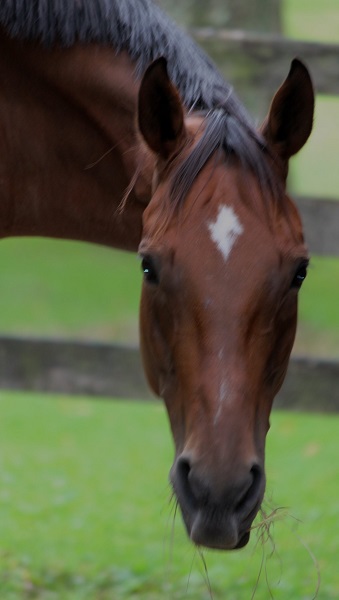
(114, 371)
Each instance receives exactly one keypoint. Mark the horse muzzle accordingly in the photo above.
(218, 512)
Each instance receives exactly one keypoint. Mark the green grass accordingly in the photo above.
(84, 507)
(314, 171)
(313, 20)
(318, 324)
(68, 289)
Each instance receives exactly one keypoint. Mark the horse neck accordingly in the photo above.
(68, 147)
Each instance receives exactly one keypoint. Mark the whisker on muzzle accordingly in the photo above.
(172, 505)
(205, 572)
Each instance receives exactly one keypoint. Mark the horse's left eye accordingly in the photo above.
(149, 270)
(299, 276)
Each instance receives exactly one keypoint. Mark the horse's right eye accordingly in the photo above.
(149, 270)
(300, 275)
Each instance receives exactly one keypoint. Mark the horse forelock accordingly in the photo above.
(234, 139)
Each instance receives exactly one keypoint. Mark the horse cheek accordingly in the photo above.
(285, 327)
(154, 343)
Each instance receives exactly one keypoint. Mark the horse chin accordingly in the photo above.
(215, 532)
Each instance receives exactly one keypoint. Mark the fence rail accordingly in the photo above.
(67, 367)
(103, 370)
(272, 53)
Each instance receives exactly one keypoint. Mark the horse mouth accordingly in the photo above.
(217, 529)
(217, 525)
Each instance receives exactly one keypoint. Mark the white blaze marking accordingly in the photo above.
(225, 230)
(223, 395)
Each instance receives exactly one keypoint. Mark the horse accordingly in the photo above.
(117, 129)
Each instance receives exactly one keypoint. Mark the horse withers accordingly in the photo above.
(223, 260)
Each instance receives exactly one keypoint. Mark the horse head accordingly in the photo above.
(223, 257)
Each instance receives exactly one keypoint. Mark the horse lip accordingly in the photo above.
(249, 518)
(209, 533)
(218, 533)
(243, 540)
(216, 529)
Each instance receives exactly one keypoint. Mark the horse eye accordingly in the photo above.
(300, 276)
(149, 270)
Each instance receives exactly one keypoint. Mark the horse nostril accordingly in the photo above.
(180, 476)
(187, 483)
(257, 476)
(241, 494)
(252, 494)
(183, 469)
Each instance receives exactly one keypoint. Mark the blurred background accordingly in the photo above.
(84, 507)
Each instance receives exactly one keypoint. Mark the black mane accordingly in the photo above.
(142, 29)
(138, 26)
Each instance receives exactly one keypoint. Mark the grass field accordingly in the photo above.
(85, 512)
(84, 498)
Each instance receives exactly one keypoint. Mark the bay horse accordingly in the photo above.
(117, 129)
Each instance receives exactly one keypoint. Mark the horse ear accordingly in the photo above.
(160, 111)
(290, 118)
